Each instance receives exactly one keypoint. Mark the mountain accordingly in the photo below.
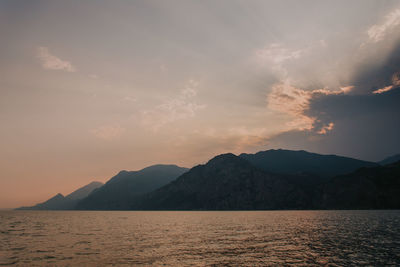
(84, 191)
(366, 188)
(295, 162)
(54, 203)
(227, 182)
(121, 189)
(273, 179)
(59, 202)
(390, 160)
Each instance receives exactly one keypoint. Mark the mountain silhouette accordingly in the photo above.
(121, 189)
(267, 180)
(227, 182)
(366, 188)
(295, 162)
(390, 160)
(59, 202)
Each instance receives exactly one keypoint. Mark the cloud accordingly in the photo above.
(298, 61)
(320, 111)
(287, 99)
(51, 62)
(347, 89)
(295, 102)
(378, 69)
(364, 125)
(325, 129)
(278, 54)
(174, 109)
(355, 111)
(378, 32)
(108, 132)
(396, 79)
(384, 89)
(275, 57)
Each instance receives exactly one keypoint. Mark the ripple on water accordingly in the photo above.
(296, 238)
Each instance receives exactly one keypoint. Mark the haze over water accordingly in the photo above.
(248, 238)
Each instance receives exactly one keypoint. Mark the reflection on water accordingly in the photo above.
(73, 238)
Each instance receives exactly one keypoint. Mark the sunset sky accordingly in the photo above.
(89, 88)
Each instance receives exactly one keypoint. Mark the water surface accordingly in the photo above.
(248, 238)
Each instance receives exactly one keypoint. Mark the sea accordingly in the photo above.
(200, 238)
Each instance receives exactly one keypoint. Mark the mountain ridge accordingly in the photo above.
(301, 161)
(226, 182)
(271, 179)
(389, 160)
(127, 185)
(61, 202)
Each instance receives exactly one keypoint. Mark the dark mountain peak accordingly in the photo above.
(84, 191)
(161, 167)
(59, 202)
(120, 176)
(227, 161)
(282, 152)
(225, 182)
(229, 182)
(58, 196)
(95, 183)
(121, 189)
(301, 161)
(223, 157)
(395, 164)
(367, 188)
(390, 159)
(125, 176)
(52, 203)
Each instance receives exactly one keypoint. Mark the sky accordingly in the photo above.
(89, 88)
